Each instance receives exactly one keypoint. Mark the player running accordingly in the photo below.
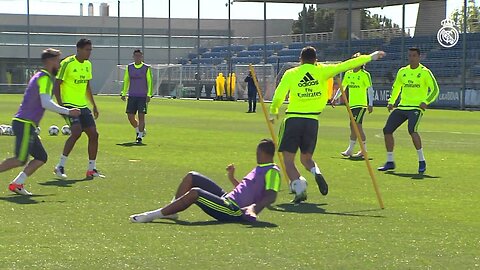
(358, 83)
(72, 89)
(419, 89)
(257, 190)
(308, 88)
(137, 81)
(37, 98)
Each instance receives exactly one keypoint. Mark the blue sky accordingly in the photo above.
(188, 9)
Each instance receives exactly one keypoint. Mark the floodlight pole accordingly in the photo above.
(403, 34)
(349, 31)
(304, 24)
(169, 50)
(143, 27)
(118, 33)
(464, 62)
(265, 45)
(28, 37)
(229, 3)
(198, 49)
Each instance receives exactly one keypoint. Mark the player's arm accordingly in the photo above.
(92, 101)
(149, 83)
(272, 186)
(396, 89)
(62, 72)
(45, 89)
(370, 92)
(231, 175)
(434, 89)
(280, 94)
(56, 91)
(126, 83)
(329, 71)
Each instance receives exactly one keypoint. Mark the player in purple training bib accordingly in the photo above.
(37, 99)
(257, 190)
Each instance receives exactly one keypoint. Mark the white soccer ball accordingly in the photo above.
(8, 130)
(38, 130)
(53, 130)
(299, 186)
(66, 130)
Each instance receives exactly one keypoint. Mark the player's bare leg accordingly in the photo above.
(76, 133)
(10, 163)
(311, 166)
(92, 135)
(141, 127)
(298, 184)
(185, 185)
(133, 121)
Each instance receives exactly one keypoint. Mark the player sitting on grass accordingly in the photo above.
(257, 190)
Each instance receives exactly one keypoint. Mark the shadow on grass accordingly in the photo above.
(256, 224)
(20, 199)
(352, 158)
(131, 144)
(415, 176)
(62, 182)
(314, 208)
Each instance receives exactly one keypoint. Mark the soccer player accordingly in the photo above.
(257, 190)
(72, 89)
(252, 93)
(37, 98)
(418, 89)
(137, 81)
(308, 86)
(360, 97)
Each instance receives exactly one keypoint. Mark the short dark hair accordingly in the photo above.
(415, 49)
(308, 54)
(83, 42)
(50, 53)
(267, 146)
(138, 51)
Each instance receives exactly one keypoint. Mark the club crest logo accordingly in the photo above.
(448, 35)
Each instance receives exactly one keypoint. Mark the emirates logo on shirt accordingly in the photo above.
(307, 80)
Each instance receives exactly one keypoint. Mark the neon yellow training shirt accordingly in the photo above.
(358, 84)
(75, 77)
(416, 85)
(308, 86)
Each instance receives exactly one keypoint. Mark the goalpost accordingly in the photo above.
(167, 80)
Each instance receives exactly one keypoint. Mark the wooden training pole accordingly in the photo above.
(359, 138)
(269, 124)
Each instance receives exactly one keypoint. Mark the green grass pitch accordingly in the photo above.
(429, 223)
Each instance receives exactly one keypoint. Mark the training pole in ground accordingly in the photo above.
(269, 124)
(359, 138)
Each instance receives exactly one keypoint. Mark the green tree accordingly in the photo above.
(322, 20)
(473, 17)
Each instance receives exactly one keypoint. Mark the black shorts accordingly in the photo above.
(298, 133)
(27, 142)
(399, 116)
(85, 119)
(358, 114)
(211, 199)
(136, 104)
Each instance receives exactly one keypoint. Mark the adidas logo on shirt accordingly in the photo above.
(307, 80)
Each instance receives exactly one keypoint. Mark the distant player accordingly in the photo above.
(257, 190)
(308, 86)
(137, 84)
(419, 88)
(72, 89)
(37, 98)
(252, 93)
(358, 83)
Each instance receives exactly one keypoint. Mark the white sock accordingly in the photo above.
(421, 157)
(137, 130)
(63, 159)
(140, 134)
(92, 164)
(20, 179)
(156, 213)
(389, 156)
(365, 146)
(351, 146)
(315, 170)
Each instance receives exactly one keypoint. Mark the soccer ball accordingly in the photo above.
(299, 186)
(8, 130)
(53, 130)
(66, 130)
(38, 130)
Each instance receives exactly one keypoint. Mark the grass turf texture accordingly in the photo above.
(432, 222)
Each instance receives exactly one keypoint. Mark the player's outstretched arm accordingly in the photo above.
(329, 71)
(231, 174)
